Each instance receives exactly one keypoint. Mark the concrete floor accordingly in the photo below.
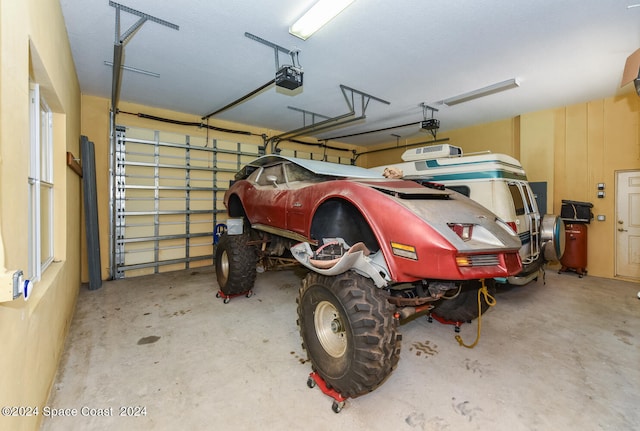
(564, 355)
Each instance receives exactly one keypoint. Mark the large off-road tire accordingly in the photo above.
(235, 264)
(464, 306)
(349, 331)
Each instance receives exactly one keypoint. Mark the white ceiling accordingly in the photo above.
(406, 52)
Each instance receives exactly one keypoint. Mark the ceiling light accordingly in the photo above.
(481, 92)
(319, 14)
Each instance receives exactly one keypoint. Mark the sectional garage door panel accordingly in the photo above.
(167, 199)
(332, 158)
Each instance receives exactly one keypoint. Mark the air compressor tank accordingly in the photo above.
(575, 251)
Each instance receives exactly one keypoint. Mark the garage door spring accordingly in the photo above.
(491, 301)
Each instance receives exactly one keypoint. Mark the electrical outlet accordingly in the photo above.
(18, 283)
(11, 285)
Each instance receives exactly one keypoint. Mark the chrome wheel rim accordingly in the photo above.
(330, 329)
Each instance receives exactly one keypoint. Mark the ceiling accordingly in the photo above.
(405, 52)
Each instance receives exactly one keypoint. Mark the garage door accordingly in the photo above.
(301, 154)
(166, 201)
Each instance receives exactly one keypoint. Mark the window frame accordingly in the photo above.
(41, 186)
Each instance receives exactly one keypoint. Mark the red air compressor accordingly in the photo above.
(576, 216)
(575, 248)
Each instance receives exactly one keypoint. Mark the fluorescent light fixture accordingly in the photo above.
(134, 69)
(320, 13)
(481, 92)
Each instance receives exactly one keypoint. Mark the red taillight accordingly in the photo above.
(513, 226)
(464, 231)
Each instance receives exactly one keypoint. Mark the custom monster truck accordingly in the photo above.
(379, 251)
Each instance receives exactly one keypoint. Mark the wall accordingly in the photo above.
(498, 136)
(33, 41)
(577, 147)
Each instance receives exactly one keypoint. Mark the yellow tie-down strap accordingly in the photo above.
(491, 301)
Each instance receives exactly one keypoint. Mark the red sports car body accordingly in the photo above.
(417, 232)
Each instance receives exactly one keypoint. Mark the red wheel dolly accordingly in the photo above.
(338, 400)
(227, 298)
(457, 324)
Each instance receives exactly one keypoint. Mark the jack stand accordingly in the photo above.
(338, 400)
(227, 298)
(457, 324)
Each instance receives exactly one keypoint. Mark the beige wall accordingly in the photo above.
(33, 42)
(576, 147)
(499, 137)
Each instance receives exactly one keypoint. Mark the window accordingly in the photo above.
(274, 170)
(465, 190)
(517, 199)
(298, 173)
(40, 185)
(531, 203)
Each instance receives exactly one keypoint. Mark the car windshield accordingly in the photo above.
(285, 173)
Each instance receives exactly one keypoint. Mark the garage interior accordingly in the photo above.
(139, 131)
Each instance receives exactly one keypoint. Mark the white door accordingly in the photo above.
(628, 224)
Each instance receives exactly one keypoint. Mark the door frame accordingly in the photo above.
(615, 224)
